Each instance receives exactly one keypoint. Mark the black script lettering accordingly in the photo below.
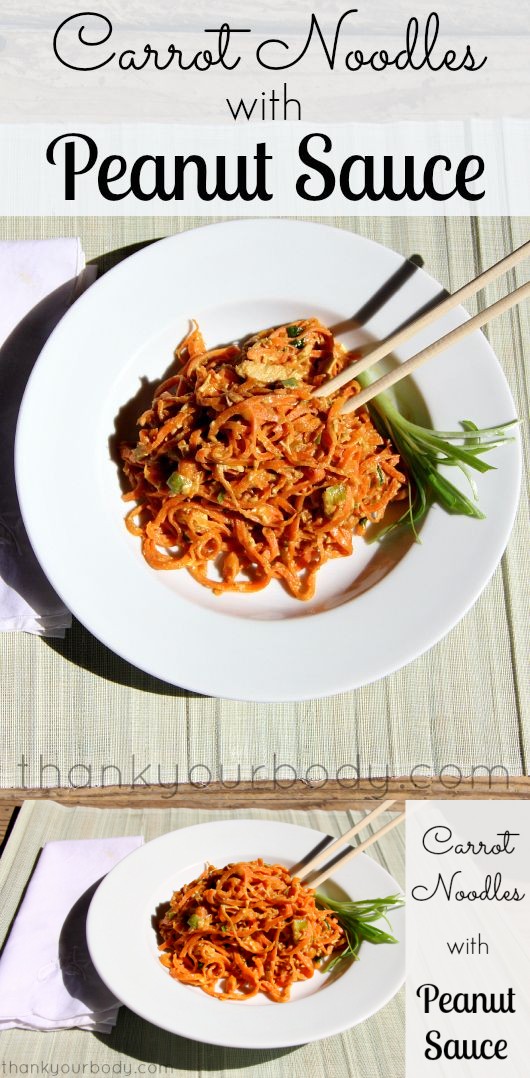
(70, 170)
(454, 1049)
(492, 891)
(74, 30)
(463, 178)
(466, 1002)
(323, 170)
(357, 178)
(168, 180)
(225, 31)
(314, 28)
(417, 53)
(105, 30)
(437, 840)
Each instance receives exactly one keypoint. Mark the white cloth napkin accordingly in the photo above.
(47, 980)
(39, 279)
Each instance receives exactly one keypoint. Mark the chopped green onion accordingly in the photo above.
(332, 497)
(299, 928)
(300, 343)
(193, 921)
(357, 920)
(380, 473)
(221, 496)
(140, 452)
(179, 484)
(290, 383)
(293, 331)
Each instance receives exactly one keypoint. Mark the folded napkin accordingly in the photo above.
(47, 980)
(39, 279)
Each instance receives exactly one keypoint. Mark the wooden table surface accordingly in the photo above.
(334, 797)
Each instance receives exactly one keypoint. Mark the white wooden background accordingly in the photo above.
(35, 86)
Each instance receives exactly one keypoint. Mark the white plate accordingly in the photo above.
(122, 940)
(372, 612)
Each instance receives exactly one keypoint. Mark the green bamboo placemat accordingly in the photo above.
(462, 706)
(375, 1049)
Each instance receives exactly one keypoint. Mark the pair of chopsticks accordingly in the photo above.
(323, 855)
(453, 337)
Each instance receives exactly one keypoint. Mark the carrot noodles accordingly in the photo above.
(244, 929)
(240, 476)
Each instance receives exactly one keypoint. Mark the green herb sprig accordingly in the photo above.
(423, 451)
(357, 920)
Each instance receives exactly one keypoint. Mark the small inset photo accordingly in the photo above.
(191, 939)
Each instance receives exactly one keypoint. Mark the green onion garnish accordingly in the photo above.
(357, 920)
(290, 383)
(423, 451)
(293, 331)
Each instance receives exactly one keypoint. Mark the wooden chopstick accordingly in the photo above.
(350, 854)
(432, 350)
(324, 854)
(406, 332)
